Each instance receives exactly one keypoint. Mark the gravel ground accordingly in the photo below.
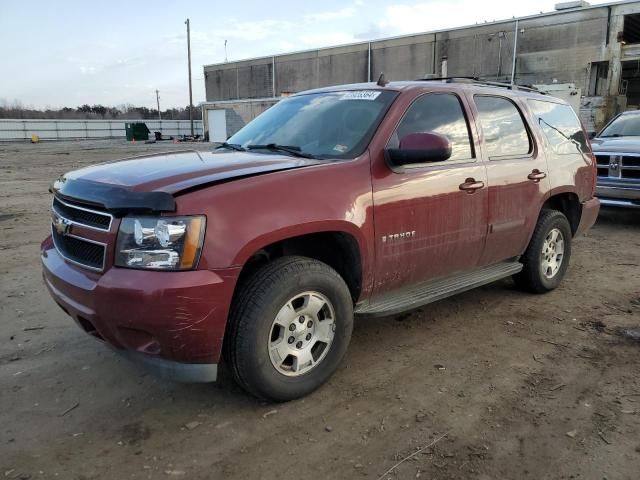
(492, 384)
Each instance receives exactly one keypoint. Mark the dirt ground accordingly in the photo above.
(508, 385)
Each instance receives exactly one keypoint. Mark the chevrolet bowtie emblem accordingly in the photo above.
(62, 225)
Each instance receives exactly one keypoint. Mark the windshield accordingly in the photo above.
(623, 126)
(326, 125)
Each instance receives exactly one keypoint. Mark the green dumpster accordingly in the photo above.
(136, 131)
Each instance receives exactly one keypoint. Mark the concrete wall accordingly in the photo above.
(557, 47)
(238, 113)
(248, 79)
(405, 58)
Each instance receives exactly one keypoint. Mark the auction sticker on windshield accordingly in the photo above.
(360, 95)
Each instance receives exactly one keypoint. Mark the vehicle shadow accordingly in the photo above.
(372, 340)
(611, 216)
(386, 333)
(226, 396)
(119, 403)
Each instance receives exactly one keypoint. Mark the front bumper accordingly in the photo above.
(172, 322)
(618, 192)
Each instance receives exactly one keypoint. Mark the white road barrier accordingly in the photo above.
(23, 129)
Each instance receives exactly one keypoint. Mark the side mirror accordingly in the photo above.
(592, 134)
(421, 148)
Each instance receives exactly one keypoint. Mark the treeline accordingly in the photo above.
(97, 112)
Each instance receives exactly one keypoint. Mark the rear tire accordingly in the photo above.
(547, 257)
(289, 327)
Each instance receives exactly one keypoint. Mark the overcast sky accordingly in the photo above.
(71, 52)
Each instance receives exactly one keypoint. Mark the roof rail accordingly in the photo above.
(480, 81)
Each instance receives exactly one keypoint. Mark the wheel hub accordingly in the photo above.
(552, 253)
(301, 333)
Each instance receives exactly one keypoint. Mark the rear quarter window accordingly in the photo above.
(560, 126)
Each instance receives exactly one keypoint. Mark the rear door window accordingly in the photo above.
(505, 133)
(560, 126)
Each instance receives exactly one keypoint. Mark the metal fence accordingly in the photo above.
(22, 129)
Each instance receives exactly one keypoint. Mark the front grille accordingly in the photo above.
(81, 251)
(630, 161)
(618, 166)
(82, 215)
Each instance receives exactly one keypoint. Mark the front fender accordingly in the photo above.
(292, 231)
(248, 214)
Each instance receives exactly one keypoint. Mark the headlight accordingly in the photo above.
(161, 243)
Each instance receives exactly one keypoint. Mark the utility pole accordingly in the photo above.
(158, 102)
(190, 90)
(515, 53)
(500, 37)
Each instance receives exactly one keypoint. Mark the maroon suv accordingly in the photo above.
(364, 199)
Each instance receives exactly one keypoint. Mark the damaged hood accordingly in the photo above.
(176, 171)
(149, 182)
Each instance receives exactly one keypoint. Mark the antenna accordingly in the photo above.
(225, 52)
(381, 81)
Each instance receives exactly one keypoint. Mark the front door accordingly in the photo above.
(517, 175)
(430, 218)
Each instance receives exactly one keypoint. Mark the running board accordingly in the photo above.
(427, 292)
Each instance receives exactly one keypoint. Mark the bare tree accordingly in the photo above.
(15, 109)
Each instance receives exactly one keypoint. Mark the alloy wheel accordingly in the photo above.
(302, 333)
(552, 253)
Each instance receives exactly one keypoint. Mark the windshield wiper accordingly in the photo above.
(231, 146)
(290, 149)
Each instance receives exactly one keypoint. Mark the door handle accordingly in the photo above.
(470, 185)
(536, 175)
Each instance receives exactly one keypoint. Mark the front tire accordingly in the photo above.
(547, 257)
(289, 328)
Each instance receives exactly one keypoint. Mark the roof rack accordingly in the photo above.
(480, 81)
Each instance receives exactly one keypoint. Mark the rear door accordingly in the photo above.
(427, 223)
(516, 173)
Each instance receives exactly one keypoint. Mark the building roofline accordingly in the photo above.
(408, 35)
(240, 100)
